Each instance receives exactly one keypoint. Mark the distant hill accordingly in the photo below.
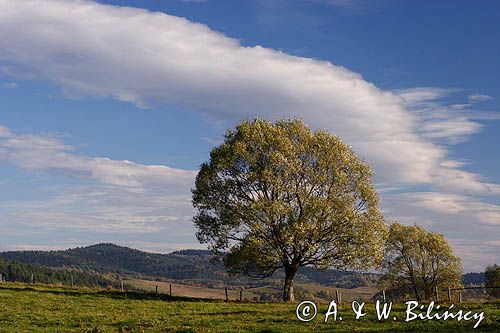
(110, 258)
(476, 279)
(185, 265)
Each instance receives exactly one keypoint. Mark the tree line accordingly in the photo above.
(19, 272)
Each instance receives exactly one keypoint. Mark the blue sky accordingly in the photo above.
(106, 111)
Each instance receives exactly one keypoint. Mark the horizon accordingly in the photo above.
(108, 108)
(370, 271)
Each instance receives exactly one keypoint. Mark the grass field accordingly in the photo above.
(25, 308)
(189, 291)
(348, 295)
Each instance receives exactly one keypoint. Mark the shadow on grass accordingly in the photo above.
(115, 294)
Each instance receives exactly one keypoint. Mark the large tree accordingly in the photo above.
(280, 196)
(417, 261)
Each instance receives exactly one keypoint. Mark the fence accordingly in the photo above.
(340, 295)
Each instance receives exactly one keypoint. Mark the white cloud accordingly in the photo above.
(106, 209)
(212, 141)
(439, 121)
(5, 132)
(127, 198)
(422, 94)
(476, 255)
(479, 98)
(94, 50)
(10, 85)
(49, 154)
(474, 210)
(453, 164)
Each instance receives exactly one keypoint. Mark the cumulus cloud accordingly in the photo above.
(94, 50)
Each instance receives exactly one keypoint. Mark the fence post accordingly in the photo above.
(449, 295)
(170, 290)
(156, 290)
(121, 285)
(72, 281)
(227, 298)
(337, 296)
(241, 294)
(1, 278)
(32, 279)
(437, 293)
(459, 296)
(383, 295)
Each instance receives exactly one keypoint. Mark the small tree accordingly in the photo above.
(492, 277)
(277, 195)
(416, 262)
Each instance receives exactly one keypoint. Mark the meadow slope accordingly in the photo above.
(26, 308)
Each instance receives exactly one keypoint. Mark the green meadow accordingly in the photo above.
(38, 308)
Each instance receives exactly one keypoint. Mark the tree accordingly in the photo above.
(492, 276)
(416, 262)
(280, 196)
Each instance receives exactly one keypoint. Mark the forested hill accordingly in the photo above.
(21, 272)
(473, 279)
(110, 258)
(180, 265)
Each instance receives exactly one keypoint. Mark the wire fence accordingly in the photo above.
(470, 294)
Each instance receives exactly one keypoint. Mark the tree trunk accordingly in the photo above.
(288, 288)
(415, 289)
(427, 293)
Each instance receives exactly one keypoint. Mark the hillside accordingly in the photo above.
(185, 265)
(473, 279)
(55, 309)
(11, 270)
(110, 258)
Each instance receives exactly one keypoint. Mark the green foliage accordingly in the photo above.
(417, 262)
(277, 195)
(492, 275)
